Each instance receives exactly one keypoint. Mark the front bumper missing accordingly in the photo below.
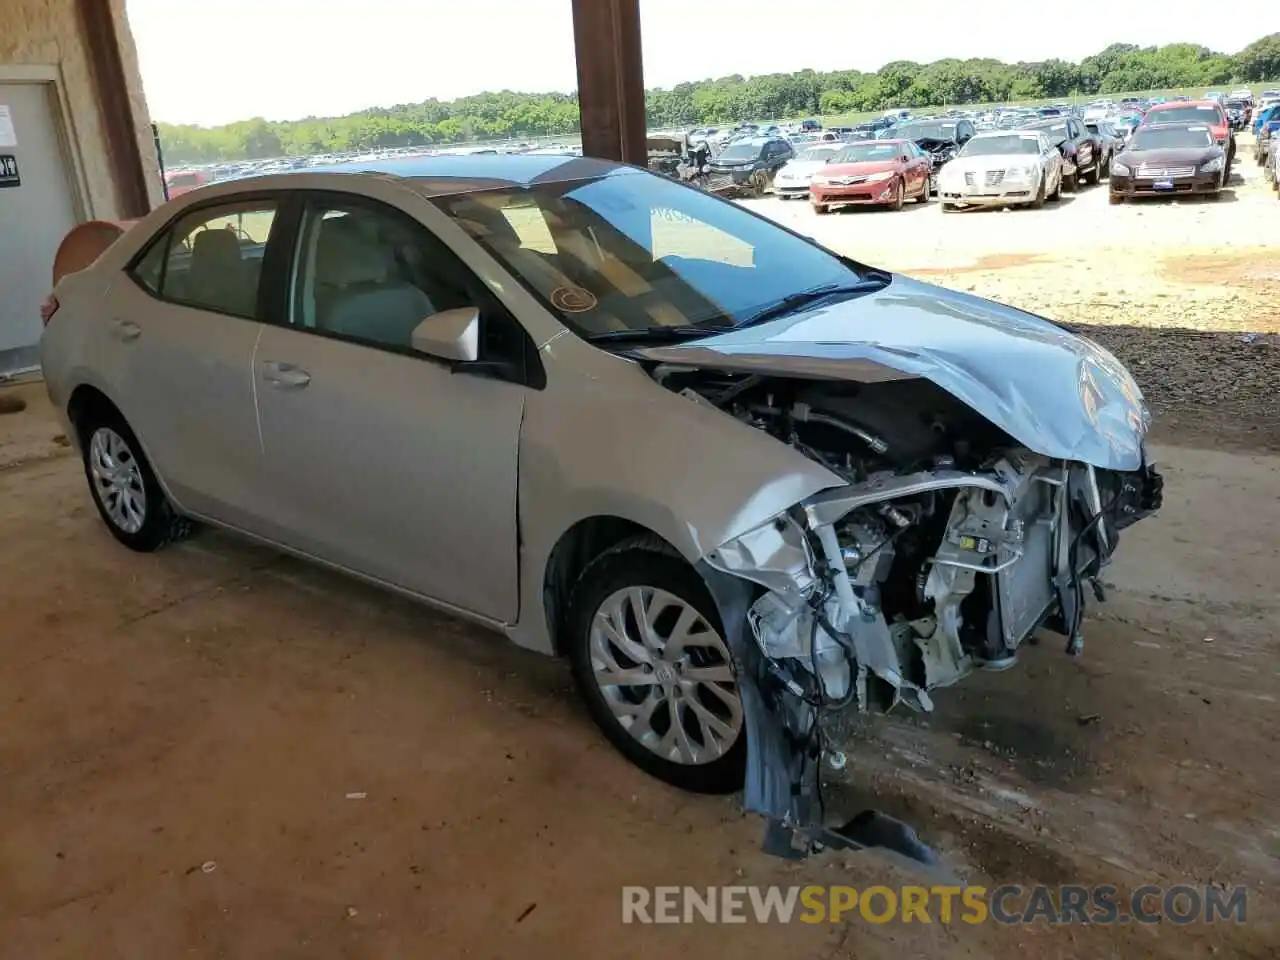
(791, 568)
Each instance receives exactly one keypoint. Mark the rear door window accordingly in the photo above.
(211, 258)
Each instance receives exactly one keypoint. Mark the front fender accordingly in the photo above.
(613, 443)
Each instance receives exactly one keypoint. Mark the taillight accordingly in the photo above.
(48, 309)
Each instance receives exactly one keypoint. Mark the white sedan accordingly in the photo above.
(794, 177)
(1002, 168)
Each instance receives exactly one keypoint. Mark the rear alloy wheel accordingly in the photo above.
(898, 197)
(649, 658)
(124, 487)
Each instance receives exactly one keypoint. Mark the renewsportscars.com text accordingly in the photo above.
(1007, 904)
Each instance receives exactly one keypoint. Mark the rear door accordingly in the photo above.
(182, 322)
(381, 460)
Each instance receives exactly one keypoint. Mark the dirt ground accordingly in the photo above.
(216, 751)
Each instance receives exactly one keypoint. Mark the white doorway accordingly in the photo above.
(36, 212)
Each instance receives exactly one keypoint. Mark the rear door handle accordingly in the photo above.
(125, 330)
(285, 376)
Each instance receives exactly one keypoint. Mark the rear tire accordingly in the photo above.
(124, 487)
(642, 578)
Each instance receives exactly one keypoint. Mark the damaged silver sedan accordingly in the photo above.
(746, 485)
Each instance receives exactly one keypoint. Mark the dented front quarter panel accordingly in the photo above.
(1054, 392)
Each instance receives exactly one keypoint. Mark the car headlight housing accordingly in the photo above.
(1211, 166)
(1119, 170)
(1020, 173)
(878, 177)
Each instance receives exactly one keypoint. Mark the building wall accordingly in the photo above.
(48, 33)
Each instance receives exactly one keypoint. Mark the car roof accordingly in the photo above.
(1174, 124)
(1184, 103)
(446, 175)
(990, 134)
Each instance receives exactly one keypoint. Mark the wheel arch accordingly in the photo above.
(85, 400)
(577, 548)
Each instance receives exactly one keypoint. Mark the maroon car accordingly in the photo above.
(875, 173)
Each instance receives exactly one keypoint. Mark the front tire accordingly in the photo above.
(124, 487)
(821, 208)
(1038, 202)
(1071, 183)
(899, 197)
(648, 656)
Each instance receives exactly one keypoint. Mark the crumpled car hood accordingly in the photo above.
(1056, 393)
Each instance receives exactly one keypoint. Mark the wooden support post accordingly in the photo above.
(606, 35)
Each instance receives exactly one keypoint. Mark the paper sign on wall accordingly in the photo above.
(8, 136)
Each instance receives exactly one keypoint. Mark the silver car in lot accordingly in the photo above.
(744, 484)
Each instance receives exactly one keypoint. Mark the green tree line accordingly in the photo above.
(505, 115)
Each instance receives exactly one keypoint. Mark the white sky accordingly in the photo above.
(214, 61)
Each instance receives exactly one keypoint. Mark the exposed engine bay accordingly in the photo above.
(948, 546)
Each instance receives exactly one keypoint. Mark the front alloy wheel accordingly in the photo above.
(650, 659)
(666, 675)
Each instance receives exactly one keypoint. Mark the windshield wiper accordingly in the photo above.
(875, 280)
(660, 333)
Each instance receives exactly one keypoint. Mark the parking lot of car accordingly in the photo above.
(284, 760)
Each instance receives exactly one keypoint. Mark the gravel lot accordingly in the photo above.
(215, 751)
(1177, 290)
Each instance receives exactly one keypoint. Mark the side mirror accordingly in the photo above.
(449, 335)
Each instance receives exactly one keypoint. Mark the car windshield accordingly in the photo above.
(819, 153)
(1158, 138)
(1001, 145)
(927, 131)
(864, 152)
(634, 252)
(1201, 114)
(740, 151)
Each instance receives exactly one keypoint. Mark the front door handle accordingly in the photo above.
(285, 376)
(125, 330)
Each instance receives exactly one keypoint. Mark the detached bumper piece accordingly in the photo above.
(785, 752)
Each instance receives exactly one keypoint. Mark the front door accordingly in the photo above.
(37, 209)
(381, 460)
